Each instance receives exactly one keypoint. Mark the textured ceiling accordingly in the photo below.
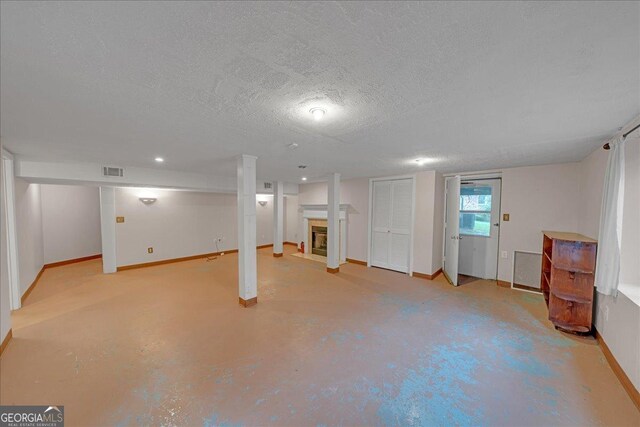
(475, 85)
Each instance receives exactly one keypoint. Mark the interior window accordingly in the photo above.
(475, 210)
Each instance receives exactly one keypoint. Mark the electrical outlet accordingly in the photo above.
(504, 254)
(150, 250)
(119, 219)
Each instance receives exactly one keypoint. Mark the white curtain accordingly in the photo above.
(610, 234)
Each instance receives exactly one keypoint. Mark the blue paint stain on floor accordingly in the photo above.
(434, 394)
(212, 421)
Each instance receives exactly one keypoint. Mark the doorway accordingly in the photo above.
(472, 229)
(479, 228)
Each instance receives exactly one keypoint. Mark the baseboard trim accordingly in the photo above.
(356, 261)
(172, 260)
(333, 270)
(26, 294)
(181, 259)
(527, 288)
(277, 255)
(72, 261)
(248, 302)
(427, 276)
(5, 341)
(503, 284)
(617, 369)
(290, 243)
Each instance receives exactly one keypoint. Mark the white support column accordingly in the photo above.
(108, 228)
(247, 255)
(278, 218)
(13, 263)
(333, 224)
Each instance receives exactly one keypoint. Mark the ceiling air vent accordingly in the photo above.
(111, 171)
(267, 186)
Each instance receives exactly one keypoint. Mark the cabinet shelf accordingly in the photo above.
(572, 298)
(571, 269)
(567, 280)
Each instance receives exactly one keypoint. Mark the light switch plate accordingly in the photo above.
(150, 250)
(119, 219)
(505, 217)
(504, 254)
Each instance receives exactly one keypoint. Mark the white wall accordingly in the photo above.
(70, 222)
(291, 219)
(617, 319)
(5, 292)
(180, 224)
(423, 230)
(536, 198)
(264, 221)
(29, 232)
(438, 221)
(355, 192)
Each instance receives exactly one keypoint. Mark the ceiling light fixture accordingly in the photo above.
(304, 178)
(318, 113)
(159, 159)
(423, 161)
(292, 146)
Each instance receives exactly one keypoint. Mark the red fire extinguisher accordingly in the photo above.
(301, 247)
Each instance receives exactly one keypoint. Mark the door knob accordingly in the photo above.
(497, 224)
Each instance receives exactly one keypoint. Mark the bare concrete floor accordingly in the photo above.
(169, 345)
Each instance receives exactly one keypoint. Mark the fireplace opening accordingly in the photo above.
(319, 240)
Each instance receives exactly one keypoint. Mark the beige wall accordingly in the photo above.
(424, 226)
(427, 251)
(180, 224)
(291, 219)
(355, 192)
(70, 222)
(29, 232)
(617, 318)
(536, 198)
(438, 220)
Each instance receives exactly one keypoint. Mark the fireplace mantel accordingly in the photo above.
(315, 212)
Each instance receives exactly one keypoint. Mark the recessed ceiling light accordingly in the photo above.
(159, 159)
(304, 178)
(318, 113)
(423, 161)
(292, 146)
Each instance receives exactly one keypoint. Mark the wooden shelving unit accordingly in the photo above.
(568, 266)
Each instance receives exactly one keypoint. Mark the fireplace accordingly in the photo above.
(319, 240)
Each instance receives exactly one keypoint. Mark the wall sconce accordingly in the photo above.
(262, 203)
(148, 200)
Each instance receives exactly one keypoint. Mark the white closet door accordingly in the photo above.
(380, 237)
(391, 228)
(400, 230)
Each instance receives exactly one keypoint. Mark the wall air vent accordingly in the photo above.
(267, 186)
(111, 171)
